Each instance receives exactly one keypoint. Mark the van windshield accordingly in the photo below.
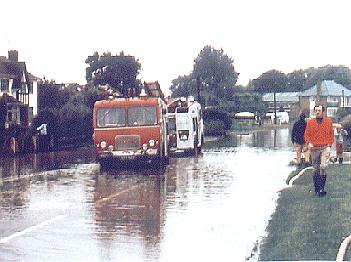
(172, 124)
(142, 116)
(111, 117)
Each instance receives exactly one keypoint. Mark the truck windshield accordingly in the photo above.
(142, 116)
(111, 117)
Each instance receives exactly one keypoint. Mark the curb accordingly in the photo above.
(298, 175)
(291, 181)
(343, 249)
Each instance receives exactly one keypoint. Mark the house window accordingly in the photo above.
(347, 101)
(4, 85)
(331, 111)
(23, 87)
(30, 114)
(332, 99)
(30, 88)
(13, 115)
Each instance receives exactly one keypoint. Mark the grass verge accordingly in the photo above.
(306, 227)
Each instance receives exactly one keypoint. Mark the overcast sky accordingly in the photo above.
(55, 37)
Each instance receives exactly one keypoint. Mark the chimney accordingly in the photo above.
(13, 55)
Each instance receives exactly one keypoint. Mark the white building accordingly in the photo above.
(16, 82)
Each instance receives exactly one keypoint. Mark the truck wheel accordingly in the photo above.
(167, 157)
(104, 164)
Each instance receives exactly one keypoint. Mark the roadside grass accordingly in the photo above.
(306, 227)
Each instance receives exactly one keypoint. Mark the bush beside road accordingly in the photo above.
(306, 227)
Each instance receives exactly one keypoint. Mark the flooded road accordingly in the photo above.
(61, 207)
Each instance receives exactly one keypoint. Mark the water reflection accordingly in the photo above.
(270, 139)
(129, 212)
(31, 163)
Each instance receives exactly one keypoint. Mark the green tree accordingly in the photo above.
(75, 120)
(119, 72)
(91, 95)
(67, 111)
(183, 86)
(216, 74)
(340, 74)
(271, 81)
(296, 80)
(51, 95)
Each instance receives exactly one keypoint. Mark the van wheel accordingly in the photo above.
(195, 150)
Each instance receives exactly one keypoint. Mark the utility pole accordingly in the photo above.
(198, 89)
(275, 107)
(343, 98)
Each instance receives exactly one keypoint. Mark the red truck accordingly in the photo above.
(131, 129)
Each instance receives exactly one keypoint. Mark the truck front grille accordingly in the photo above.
(127, 142)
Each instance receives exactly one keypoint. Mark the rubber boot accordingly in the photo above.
(323, 179)
(316, 181)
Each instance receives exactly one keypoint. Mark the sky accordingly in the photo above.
(54, 37)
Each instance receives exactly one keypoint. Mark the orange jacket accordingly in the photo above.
(319, 134)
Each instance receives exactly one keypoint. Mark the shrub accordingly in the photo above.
(216, 121)
(343, 112)
(215, 127)
(346, 124)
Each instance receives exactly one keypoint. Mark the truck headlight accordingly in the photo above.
(103, 144)
(152, 143)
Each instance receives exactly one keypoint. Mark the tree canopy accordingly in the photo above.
(271, 81)
(299, 80)
(183, 86)
(119, 72)
(213, 75)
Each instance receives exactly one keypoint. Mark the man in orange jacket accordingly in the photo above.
(319, 136)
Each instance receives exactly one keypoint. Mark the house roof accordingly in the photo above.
(281, 97)
(33, 77)
(328, 88)
(13, 70)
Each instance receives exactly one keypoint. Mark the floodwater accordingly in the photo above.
(60, 206)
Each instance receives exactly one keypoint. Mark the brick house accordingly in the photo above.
(328, 93)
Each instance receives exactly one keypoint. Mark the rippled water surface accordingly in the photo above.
(212, 207)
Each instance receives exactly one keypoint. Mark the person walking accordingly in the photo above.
(297, 138)
(319, 136)
(339, 142)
